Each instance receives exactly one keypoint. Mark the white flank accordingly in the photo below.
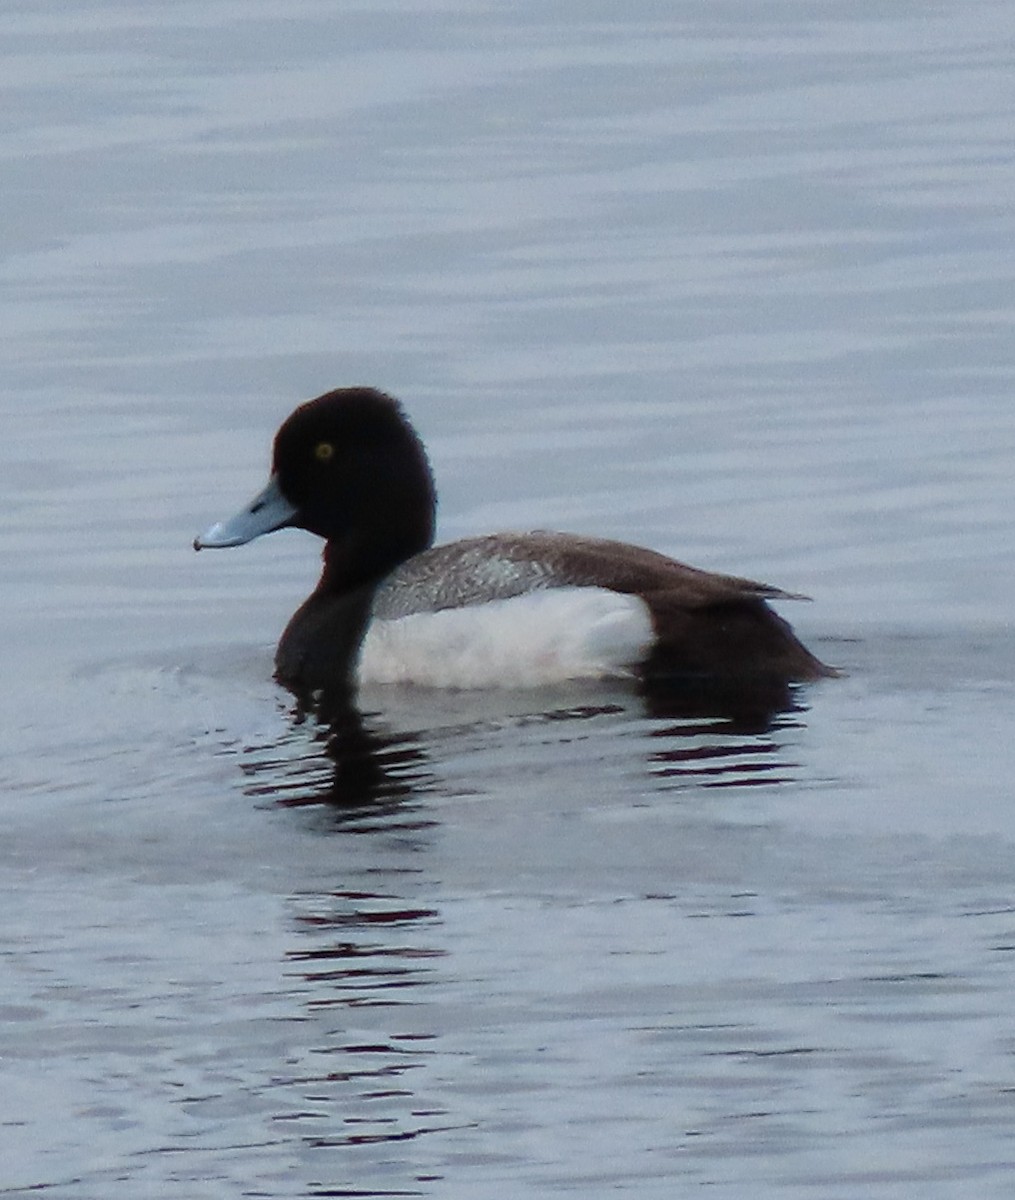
(538, 638)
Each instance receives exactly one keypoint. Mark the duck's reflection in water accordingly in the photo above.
(334, 755)
(358, 960)
(375, 768)
(370, 961)
(364, 946)
(723, 736)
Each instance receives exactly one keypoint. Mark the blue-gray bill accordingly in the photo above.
(268, 510)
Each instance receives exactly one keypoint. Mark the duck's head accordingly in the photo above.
(349, 467)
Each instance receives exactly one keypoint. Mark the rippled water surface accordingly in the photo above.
(731, 280)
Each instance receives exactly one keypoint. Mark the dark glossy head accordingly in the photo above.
(349, 467)
(357, 475)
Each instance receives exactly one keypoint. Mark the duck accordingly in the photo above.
(508, 610)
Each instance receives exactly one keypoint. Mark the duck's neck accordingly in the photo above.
(362, 560)
(319, 646)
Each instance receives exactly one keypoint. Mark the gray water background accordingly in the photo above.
(733, 280)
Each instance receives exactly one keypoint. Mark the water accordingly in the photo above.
(731, 281)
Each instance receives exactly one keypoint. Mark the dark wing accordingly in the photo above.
(499, 566)
(598, 562)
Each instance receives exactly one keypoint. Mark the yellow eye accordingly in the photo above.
(324, 451)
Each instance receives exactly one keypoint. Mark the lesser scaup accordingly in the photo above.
(509, 609)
